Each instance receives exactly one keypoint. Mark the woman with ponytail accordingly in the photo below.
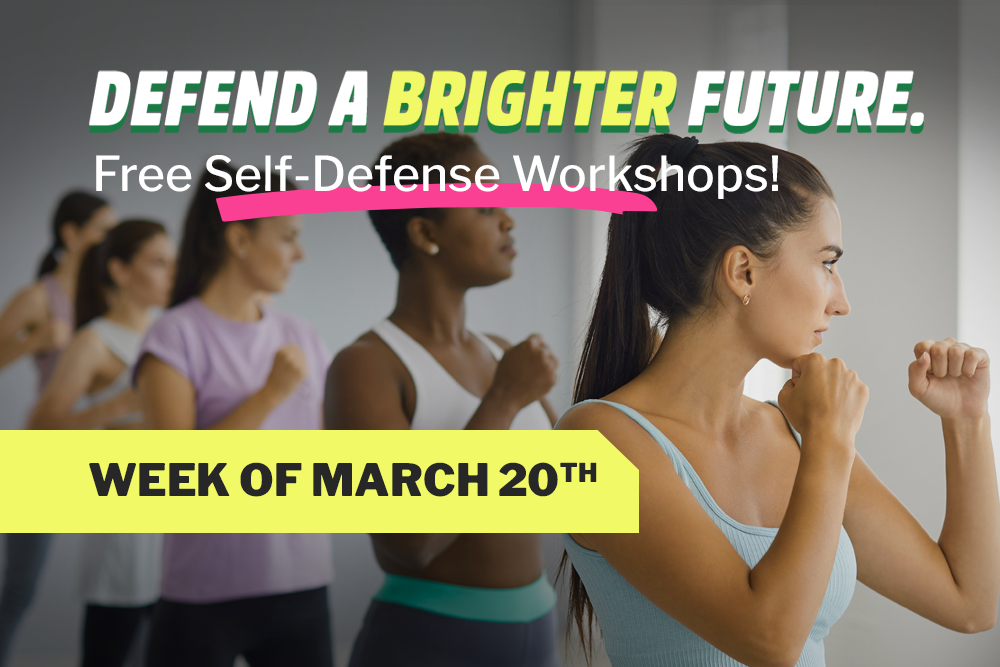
(121, 279)
(39, 321)
(222, 358)
(755, 519)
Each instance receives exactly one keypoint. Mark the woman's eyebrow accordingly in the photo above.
(835, 249)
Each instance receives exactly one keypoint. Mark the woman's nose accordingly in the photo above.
(506, 220)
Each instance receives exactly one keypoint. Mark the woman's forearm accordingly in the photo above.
(14, 347)
(495, 412)
(970, 537)
(98, 416)
(252, 412)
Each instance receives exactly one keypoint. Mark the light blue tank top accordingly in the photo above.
(637, 633)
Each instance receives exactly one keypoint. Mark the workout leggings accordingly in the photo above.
(397, 636)
(25, 557)
(110, 632)
(287, 630)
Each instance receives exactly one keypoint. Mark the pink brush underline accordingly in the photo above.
(512, 195)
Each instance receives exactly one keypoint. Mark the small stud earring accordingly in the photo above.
(433, 249)
(746, 300)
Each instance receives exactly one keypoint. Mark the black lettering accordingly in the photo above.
(322, 478)
(147, 479)
(584, 472)
(430, 479)
(103, 483)
(371, 480)
(409, 479)
(551, 480)
(284, 479)
(208, 479)
(176, 479)
(464, 479)
(246, 479)
(569, 470)
(511, 488)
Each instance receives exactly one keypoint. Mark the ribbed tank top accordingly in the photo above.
(60, 309)
(637, 633)
(442, 403)
(124, 343)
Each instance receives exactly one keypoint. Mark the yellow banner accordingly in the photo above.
(315, 481)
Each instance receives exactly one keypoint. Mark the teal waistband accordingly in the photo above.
(498, 605)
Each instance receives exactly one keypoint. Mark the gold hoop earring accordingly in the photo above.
(746, 300)
(433, 249)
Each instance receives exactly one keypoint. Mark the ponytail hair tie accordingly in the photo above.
(681, 151)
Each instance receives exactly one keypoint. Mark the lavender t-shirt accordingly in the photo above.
(227, 361)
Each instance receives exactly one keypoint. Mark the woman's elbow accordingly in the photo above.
(979, 620)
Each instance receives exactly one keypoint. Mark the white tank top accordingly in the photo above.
(119, 570)
(442, 403)
(124, 343)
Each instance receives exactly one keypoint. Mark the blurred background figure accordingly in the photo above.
(448, 599)
(39, 321)
(121, 279)
(222, 357)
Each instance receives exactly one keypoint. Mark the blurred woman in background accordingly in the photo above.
(39, 321)
(130, 272)
(222, 358)
(448, 599)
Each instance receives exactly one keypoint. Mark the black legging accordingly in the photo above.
(397, 636)
(270, 631)
(109, 632)
(25, 557)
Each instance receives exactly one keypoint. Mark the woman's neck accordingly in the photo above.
(229, 295)
(66, 273)
(128, 313)
(428, 303)
(697, 376)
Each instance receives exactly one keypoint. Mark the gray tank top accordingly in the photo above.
(124, 343)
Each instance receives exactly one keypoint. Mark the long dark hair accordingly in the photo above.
(75, 208)
(662, 266)
(203, 246)
(122, 243)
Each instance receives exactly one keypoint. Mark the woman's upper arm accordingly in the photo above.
(680, 560)
(896, 557)
(28, 308)
(362, 390)
(73, 375)
(168, 398)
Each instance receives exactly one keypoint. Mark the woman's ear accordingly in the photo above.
(739, 268)
(118, 271)
(423, 234)
(69, 232)
(237, 238)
